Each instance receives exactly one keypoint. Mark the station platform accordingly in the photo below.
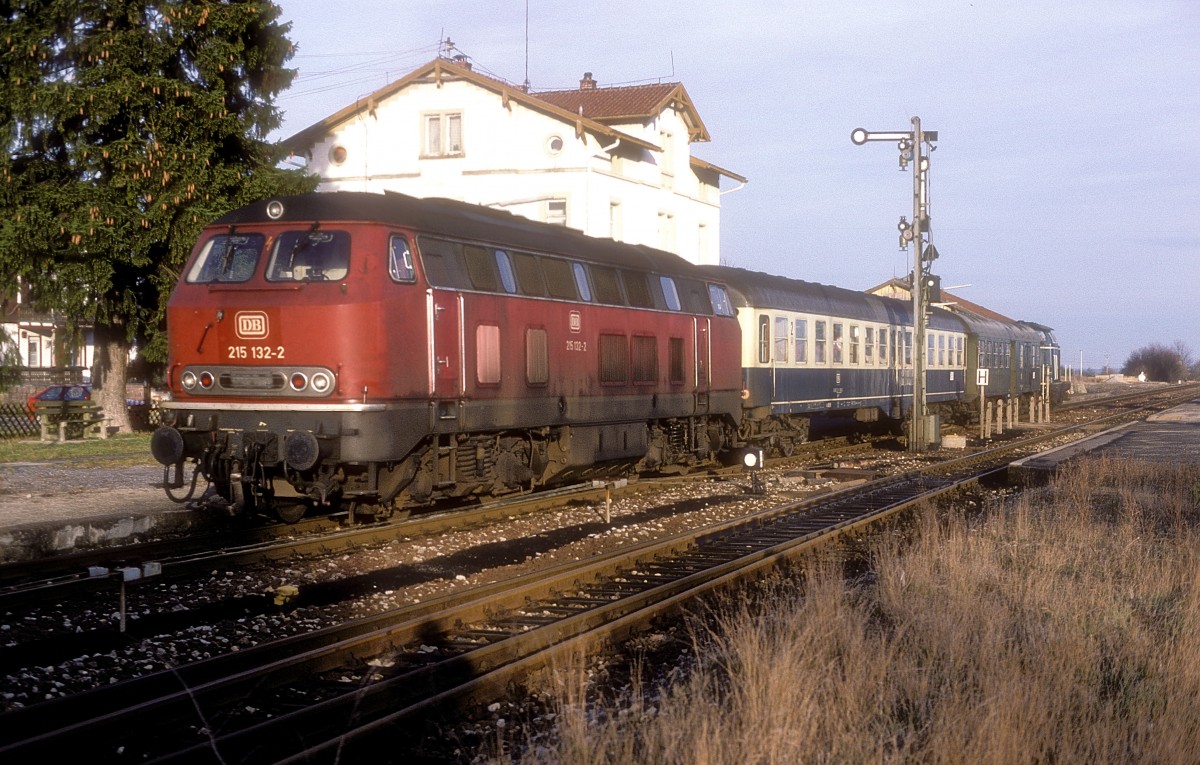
(55, 507)
(1169, 436)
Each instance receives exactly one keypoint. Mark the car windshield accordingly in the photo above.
(305, 256)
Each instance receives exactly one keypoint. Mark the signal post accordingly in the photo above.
(912, 145)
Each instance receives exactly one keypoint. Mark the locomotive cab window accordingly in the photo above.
(227, 258)
(400, 263)
(310, 256)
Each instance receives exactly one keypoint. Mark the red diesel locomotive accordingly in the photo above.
(380, 350)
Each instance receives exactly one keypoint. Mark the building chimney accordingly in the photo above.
(587, 83)
(462, 60)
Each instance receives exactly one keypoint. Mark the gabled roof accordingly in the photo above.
(956, 302)
(630, 103)
(441, 70)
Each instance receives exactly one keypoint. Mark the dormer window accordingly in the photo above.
(443, 135)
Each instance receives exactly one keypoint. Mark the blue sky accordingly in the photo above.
(1065, 187)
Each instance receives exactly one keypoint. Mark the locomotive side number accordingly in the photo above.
(577, 345)
(256, 352)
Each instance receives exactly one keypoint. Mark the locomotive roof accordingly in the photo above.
(754, 289)
(462, 220)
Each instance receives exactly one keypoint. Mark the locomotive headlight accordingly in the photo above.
(188, 380)
(206, 380)
(299, 381)
(321, 382)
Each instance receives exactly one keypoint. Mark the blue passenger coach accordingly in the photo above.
(810, 349)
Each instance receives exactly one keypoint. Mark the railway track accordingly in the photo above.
(69, 575)
(422, 659)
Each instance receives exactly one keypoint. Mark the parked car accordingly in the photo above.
(82, 392)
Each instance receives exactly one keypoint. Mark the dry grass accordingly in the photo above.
(1064, 628)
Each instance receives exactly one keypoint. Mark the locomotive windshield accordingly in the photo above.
(227, 258)
(307, 256)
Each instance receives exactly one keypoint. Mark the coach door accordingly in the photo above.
(445, 322)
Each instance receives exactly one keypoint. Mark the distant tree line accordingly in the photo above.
(1161, 363)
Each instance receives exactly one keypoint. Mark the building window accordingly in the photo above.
(666, 231)
(487, 354)
(34, 347)
(443, 135)
(614, 221)
(667, 168)
(556, 211)
(537, 371)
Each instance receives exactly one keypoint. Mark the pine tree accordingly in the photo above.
(129, 124)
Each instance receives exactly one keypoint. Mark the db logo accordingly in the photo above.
(251, 325)
(576, 321)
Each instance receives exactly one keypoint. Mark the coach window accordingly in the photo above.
(559, 280)
(505, 269)
(675, 360)
(839, 331)
(908, 343)
(487, 354)
(764, 339)
(400, 264)
(800, 346)
(941, 350)
(869, 347)
(537, 371)
(883, 345)
(614, 359)
(819, 342)
(958, 352)
(931, 346)
(781, 339)
(855, 331)
(529, 275)
(581, 281)
(670, 294)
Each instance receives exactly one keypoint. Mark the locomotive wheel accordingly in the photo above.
(290, 512)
